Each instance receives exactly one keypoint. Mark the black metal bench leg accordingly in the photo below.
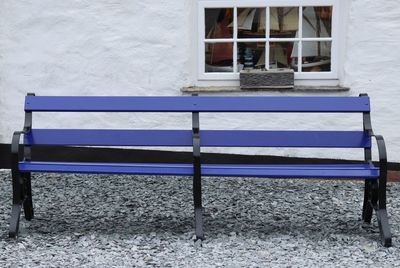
(17, 204)
(384, 227)
(367, 206)
(379, 204)
(381, 212)
(28, 206)
(14, 221)
(198, 209)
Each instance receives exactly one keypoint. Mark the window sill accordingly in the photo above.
(236, 89)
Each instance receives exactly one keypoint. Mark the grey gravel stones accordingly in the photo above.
(138, 221)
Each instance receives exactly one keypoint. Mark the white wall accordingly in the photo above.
(372, 64)
(148, 48)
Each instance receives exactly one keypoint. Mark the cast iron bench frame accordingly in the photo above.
(375, 178)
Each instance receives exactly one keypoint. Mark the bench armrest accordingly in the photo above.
(382, 171)
(382, 152)
(15, 148)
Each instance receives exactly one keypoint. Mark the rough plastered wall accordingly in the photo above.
(82, 47)
(115, 47)
(372, 64)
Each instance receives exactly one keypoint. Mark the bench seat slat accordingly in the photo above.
(193, 104)
(208, 138)
(353, 171)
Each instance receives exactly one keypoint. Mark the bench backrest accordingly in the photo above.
(208, 138)
(198, 104)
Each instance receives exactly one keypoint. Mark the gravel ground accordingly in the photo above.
(136, 221)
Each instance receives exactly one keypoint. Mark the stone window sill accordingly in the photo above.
(236, 89)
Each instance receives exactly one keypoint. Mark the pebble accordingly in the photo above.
(125, 221)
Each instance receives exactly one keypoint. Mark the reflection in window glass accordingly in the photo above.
(316, 56)
(219, 57)
(251, 55)
(284, 22)
(281, 55)
(219, 22)
(251, 22)
(317, 21)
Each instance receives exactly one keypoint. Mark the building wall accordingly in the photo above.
(114, 47)
(372, 64)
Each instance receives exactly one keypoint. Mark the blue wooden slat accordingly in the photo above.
(199, 104)
(208, 138)
(108, 168)
(321, 139)
(293, 171)
(102, 137)
(353, 171)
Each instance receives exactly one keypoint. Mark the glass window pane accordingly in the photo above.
(219, 22)
(316, 56)
(317, 21)
(219, 57)
(251, 55)
(282, 54)
(251, 22)
(284, 22)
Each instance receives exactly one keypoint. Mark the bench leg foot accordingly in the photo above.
(198, 218)
(384, 227)
(367, 206)
(18, 201)
(378, 202)
(14, 221)
(28, 206)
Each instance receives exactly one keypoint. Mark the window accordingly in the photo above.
(270, 34)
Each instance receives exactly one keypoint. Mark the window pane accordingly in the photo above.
(284, 22)
(316, 56)
(219, 57)
(281, 55)
(219, 22)
(317, 21)
(251, 22)
(251, 55)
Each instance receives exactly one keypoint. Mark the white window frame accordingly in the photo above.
(201, 40)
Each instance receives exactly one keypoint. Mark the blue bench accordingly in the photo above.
(375, 177)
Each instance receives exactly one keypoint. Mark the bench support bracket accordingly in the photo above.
(375, 191)
(28, 206)
(198, 207)
(21, 182)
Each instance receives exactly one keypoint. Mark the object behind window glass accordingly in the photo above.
(219, 57)
(317, 21)
(251, 55)
(217, 21)
(251, 22)
(280, 55)
(316, 56)
(284, 22)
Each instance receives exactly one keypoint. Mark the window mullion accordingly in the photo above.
(321, 39)
(254, 40)
(300, 44)
(235, 48)
(219, 40)
(267, 32)
(284, 39)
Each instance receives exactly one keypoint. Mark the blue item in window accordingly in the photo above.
(248, 59)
